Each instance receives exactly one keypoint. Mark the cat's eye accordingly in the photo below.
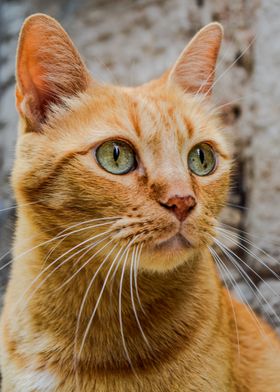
(202, 159)
(116, 157)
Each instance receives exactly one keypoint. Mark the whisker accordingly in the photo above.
(243, 239)
(87, 262)
(71, 233)
(249, 252)
(59, 235)
(210, 76)
(238, 231)
(217, 109)
(220, 265)
(111, 218)
(99, 297)
(232, 64)
(249, 308)
(3, 257)
(230, 254)
(118, 264)
(18, 205)
(46, 243)
(246, 265)
(136, 267)
(236, 206)
(127, 249)
(112, 280)
(133, 262)
(250, 284)
(56, 268)
(120, 315)
(76, 356)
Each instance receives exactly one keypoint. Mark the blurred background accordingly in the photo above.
(130, 42)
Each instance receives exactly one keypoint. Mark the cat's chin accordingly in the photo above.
(167, 254)
(176, 243)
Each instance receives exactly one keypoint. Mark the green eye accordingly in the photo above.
(116, 157)
(202, 159)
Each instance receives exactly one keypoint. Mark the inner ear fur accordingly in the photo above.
(194, 71)
(48, 69)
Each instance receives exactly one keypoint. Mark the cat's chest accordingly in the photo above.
(172, 383)
(30, 380)
(172, 377)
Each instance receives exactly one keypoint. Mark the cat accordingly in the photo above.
(113, 285)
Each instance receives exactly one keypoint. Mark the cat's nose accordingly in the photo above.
(181, 206)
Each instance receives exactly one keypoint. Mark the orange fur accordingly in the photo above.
(187, 316)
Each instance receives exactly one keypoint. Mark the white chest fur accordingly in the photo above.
(30, 381)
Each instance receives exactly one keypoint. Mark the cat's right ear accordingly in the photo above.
(49, 69)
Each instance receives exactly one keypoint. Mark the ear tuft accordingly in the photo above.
(49, 69)
(194, 70)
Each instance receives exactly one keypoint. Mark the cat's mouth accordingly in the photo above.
(177, 242)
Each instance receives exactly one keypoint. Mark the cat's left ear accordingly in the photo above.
(49, 69)
(194, 70)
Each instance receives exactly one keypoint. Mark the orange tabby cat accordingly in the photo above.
(113, 286)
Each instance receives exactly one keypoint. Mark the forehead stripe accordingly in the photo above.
(134, 117)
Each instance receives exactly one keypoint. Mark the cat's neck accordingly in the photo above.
(174, 308)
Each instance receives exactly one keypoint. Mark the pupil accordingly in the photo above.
(116, 153)
(201, 156)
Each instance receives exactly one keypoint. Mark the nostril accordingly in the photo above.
(181, 206)
(168, 207)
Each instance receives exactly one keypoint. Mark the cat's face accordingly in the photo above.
(151, 163)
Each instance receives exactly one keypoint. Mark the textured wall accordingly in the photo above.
(132, 41)
(263, 157)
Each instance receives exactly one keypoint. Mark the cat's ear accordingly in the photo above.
(48, 70)
(194, 70)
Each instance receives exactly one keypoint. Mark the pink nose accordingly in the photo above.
(181, 206)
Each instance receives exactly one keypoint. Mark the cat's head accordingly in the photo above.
(146, 166)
